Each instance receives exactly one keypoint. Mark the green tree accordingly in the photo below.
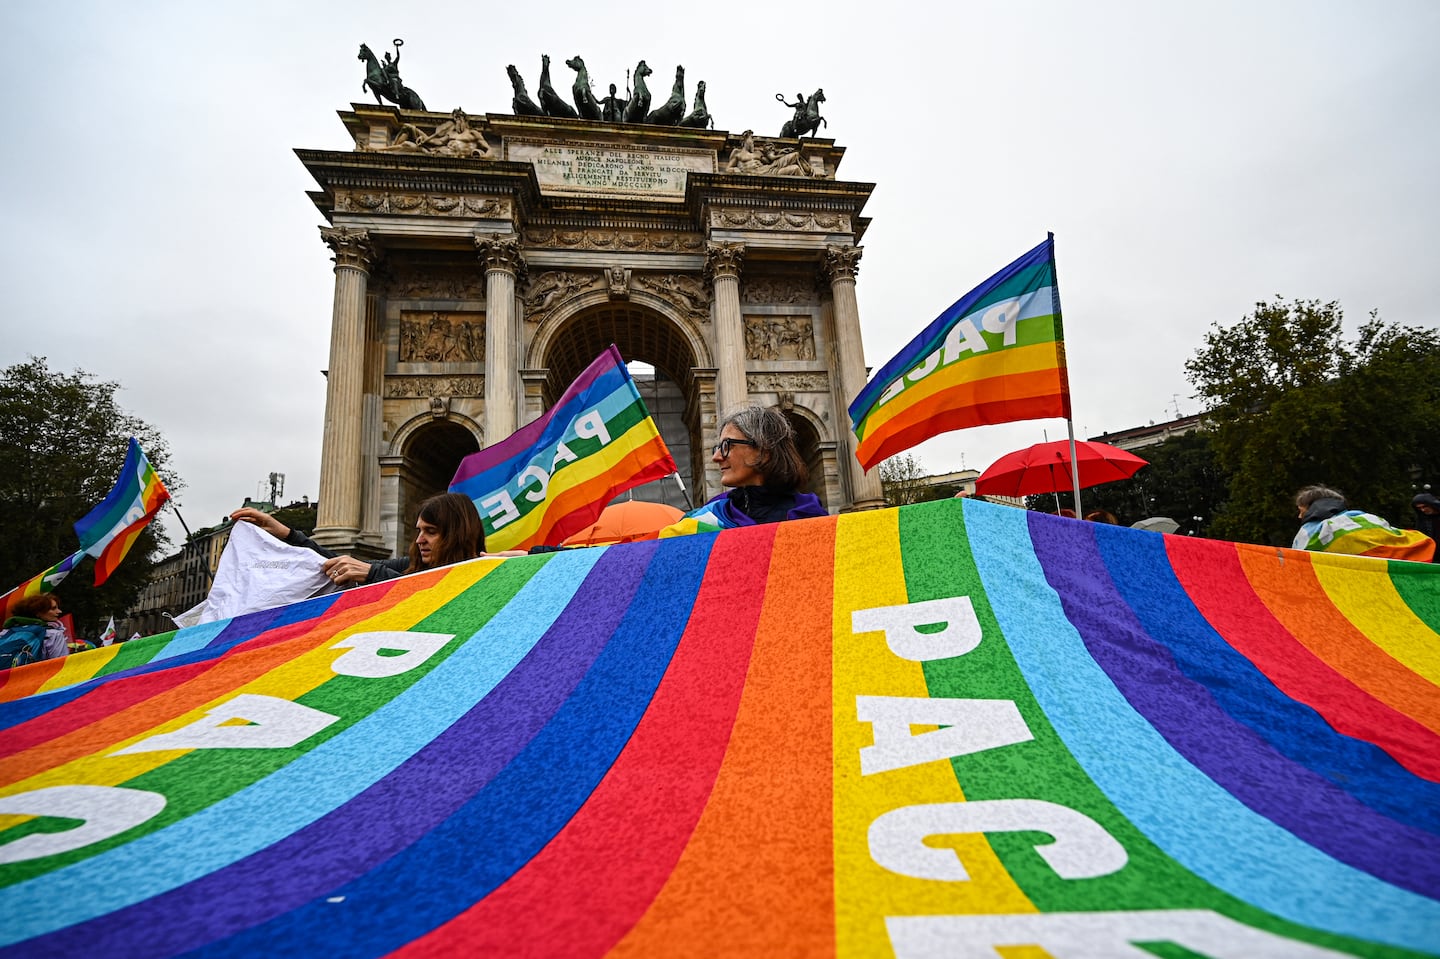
(902, 479)
(63, 439)
(1294, 402)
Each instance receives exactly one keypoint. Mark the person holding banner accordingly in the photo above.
(762, 467)
(447, 531)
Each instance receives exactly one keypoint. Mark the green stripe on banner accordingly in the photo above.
(1044, 769)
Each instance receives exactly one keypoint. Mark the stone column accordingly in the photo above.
(841, 265)
(504, 267)
(341, 466)
(722, 267)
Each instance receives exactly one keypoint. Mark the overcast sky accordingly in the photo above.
(1191, 159)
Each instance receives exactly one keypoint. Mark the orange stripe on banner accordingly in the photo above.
(1294, 594)
(757, 877)
(214, 680)
(26, 680)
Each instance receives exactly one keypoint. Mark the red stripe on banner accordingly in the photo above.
(1210, 571)
(601, 872)
(1300, 603)
(123, 708)
(760, 865)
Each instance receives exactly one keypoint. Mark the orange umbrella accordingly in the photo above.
(626, 521)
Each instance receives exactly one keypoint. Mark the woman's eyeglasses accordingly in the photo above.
(723, 447)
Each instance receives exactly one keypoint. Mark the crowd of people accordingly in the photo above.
(763, 473)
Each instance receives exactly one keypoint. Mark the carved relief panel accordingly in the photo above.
(545, 291)
(779, 338)
(441, 337)
(688, 294)
(779, 290)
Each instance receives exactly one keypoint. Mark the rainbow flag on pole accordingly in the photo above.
(109, 530)
(552, 478)
(41, 583)
(995, 356)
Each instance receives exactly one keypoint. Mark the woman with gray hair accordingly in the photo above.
(761, 466)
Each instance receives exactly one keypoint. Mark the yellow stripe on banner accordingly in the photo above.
(80, 667)
(290, 681)
(868, 574)
(1377, 610)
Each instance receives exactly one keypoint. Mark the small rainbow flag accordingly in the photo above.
(41, 583)
(996, 355)
(109, 530)
(552, 477)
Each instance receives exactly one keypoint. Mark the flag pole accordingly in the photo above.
(1074, 468)
(209, 577)
(683, 491)
(1065, 374)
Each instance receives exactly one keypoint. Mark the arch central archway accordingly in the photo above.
(671, 393)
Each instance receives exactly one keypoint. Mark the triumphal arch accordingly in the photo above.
(482, 262)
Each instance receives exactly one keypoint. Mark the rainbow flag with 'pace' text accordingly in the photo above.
(951, 729)
(995, 356)
(552, 477)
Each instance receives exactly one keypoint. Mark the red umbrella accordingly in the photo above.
(1045, 468)
(626, 521)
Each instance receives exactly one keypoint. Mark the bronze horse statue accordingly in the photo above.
(639, 105)
(521, 102)
(385, 80)
(551, 102)
(585, 101)
(672, 111)
(699, 117)
(806, 120)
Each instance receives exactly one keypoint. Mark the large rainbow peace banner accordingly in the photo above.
(955, 729)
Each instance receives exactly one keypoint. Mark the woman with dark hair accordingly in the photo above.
(762, 467)
(447, 530)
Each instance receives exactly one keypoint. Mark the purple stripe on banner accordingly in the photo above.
(414, 798)
(1229, 752)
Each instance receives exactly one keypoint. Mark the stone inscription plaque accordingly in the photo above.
(606, 170)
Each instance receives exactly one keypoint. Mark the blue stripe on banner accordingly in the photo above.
(1195, 822)
(611, 394)
(510, 820)
(313, 784)
(1184, 712)
(1293, 729)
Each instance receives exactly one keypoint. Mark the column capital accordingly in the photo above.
(352, 247)
(502, 251)
(723, 259)
(842, 262)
